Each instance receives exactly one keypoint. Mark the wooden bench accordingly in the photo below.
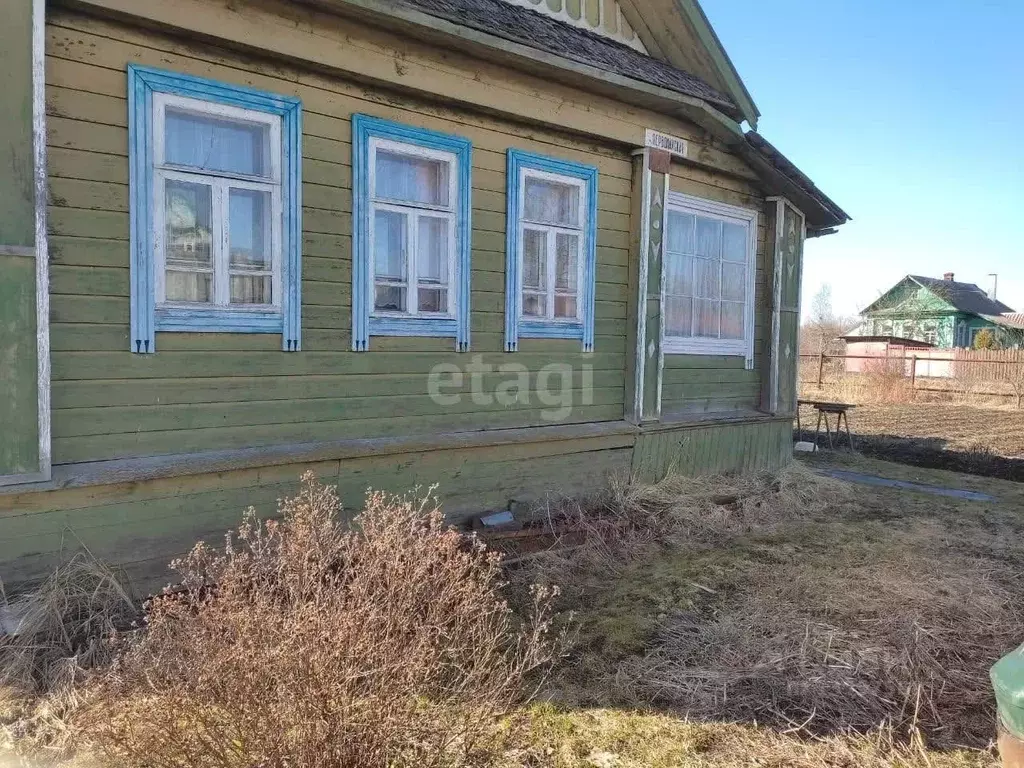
(825, 409)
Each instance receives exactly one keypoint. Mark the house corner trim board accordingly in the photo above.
(790, 233)
(27, 282)
(649, 360)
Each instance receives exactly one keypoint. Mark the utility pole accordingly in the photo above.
(995, 284)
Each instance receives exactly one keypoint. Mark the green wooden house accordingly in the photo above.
(943, 312)
(505, 246)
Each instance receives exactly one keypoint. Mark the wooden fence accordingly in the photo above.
(994, 372)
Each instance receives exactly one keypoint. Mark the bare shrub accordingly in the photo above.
(310, 643)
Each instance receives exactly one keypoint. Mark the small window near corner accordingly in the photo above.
(708, 278)
(551, 247)
(411, 240)
(216, 219)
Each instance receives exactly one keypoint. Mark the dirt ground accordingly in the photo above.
(964, 438)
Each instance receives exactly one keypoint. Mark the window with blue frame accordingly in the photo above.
(215, 208)
(411, 235)
(551, 247)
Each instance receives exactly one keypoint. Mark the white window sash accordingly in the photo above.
(412, 211)
(212, 109)
(552, 231)
(220, 183)
(702, 345)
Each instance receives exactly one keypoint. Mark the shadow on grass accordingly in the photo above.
(933, 453)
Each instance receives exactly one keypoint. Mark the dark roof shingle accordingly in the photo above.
(966, 297)
(528, 27)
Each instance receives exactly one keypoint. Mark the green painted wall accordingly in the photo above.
(19, 424)
(711, 449)
(220, 391)
(17, 190)
(213, 391)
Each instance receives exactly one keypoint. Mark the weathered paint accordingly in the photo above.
(142, 526)
(202, 392)
(19, 438)
(712, 449)
(601, 17)
(24, 298)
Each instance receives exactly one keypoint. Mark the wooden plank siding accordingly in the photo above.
(713, 449)
(101, 409)
(141, 526)
(207, 392)
(696, 384)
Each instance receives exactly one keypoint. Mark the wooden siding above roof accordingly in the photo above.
(602, 17)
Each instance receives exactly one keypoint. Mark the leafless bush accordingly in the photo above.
(309, 643)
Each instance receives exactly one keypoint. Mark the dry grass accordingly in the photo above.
(63, 629)
(772, 620)
(310, 643)
(794, 602)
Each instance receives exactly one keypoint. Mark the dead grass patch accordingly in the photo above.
(793, 601)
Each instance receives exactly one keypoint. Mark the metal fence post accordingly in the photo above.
(821, 369)
(913, 371)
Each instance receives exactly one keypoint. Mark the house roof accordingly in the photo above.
(821, 211)
(528, 27)
(1014, 320)
(966, 297)
(898, 341)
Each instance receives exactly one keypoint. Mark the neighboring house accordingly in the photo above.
(941, 312)
(507, 247)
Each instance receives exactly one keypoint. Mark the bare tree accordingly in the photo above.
(823, 327)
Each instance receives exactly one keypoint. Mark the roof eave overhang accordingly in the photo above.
(783, 178)
(437, 30)
(695, 15)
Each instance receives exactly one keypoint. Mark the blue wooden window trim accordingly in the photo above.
(146, 318)
(364, 323)
(517, 327)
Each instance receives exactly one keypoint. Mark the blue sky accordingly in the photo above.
(910, 115)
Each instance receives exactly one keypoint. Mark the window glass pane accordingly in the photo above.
(678, 316)
(681, 237)
(411, 178)
(251, 289)
(188, 215)
(534, 304)
(389, 244)
(433, 300)
(734, 281)
(706, 278)
(709, 237)
(566, 255)
(535, 261)
(432, 251)
(188, 255)
(389, 298)
(734, 242)
(706, 318)
(189, 286)
(216, 144)
(732, 320)
(679, 275)
(550, 202)
(565, 306)
(249, 217)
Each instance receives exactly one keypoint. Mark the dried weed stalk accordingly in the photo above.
(310, 643)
